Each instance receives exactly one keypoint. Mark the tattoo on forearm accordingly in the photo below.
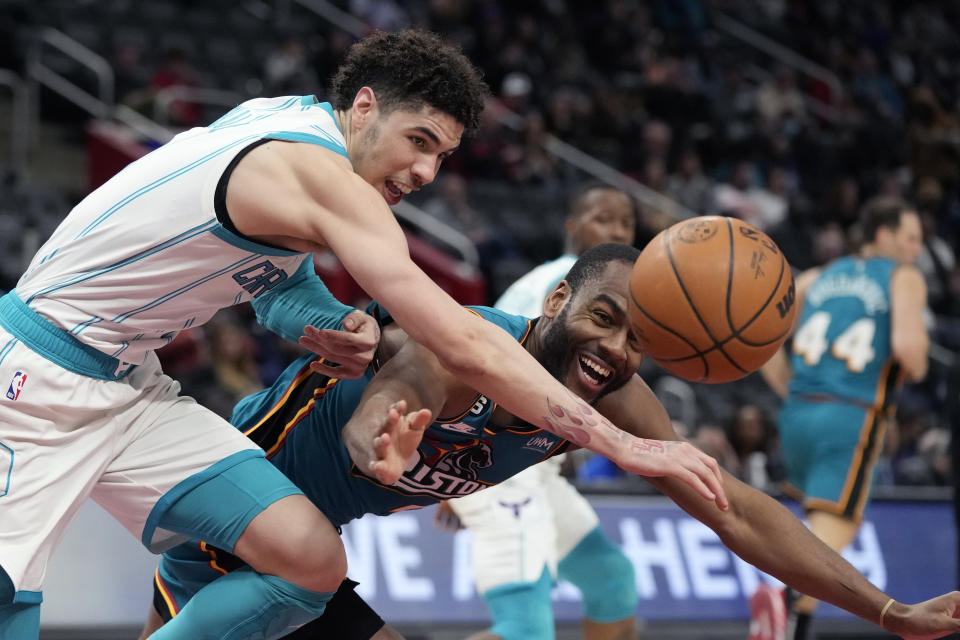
(574, 423)
(644, 446)
(575, 435)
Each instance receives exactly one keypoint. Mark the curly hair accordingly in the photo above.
(411, 69)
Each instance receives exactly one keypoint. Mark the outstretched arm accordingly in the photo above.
(764, 533)
(302, 197)
(413, 386)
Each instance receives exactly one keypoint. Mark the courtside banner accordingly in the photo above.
(411, 572)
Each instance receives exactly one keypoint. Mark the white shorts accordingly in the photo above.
(65, 437)
(529, 521)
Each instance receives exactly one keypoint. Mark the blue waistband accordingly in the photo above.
(55, 344)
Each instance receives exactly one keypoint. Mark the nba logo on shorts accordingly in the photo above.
(16, 385)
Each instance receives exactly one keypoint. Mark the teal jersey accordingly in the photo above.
(841, 347)
(298, 422)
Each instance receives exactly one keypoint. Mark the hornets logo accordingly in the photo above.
(446, 470)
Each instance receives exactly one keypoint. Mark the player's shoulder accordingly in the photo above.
(905, 276)
(513, 323)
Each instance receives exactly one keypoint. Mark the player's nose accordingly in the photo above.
(423, 171)
(613, 348)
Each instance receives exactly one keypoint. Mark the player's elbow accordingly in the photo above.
(912, 355)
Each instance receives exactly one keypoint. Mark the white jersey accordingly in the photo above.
(144, 256)
(525, 296)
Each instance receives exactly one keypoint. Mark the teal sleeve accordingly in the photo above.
(301, 300)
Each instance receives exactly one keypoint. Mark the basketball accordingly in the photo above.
(712, 299)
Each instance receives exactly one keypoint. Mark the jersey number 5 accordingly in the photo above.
(854, 345)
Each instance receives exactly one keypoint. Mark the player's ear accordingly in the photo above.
(557, 298)
(364, 106)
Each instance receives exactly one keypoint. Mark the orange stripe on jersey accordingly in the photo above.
(318, 393)
(297, 381)
(523, 339)
(172, 607)
(885, 384)
(213, 558)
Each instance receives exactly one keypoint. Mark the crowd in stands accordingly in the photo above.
(660, 91)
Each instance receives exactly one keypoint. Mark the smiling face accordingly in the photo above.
(399, 151)
(588, 344)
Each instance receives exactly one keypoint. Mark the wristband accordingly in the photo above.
(884, 610)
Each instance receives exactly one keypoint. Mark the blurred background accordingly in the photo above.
(788, 114)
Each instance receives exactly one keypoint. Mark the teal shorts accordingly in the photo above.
(830, 450)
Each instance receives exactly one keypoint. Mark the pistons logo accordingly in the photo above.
(447, 470)
(16, 385)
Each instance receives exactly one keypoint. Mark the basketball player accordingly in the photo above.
(535, 525)
(859, 333)
(584, 338)
(222, 215)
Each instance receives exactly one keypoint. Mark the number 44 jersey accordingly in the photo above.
(841, 347)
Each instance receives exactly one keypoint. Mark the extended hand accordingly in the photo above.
(346, 353)
(397, 441)
(681, 460)
(933, 618)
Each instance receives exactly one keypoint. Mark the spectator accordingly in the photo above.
(690, 186)
(733, 198)
(770, 203)
(780, 105)
(752, 439)
(287, 72)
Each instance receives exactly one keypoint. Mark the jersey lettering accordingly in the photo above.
(260, 278)
(449, 474)
(479, 406)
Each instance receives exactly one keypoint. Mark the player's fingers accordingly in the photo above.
(381, 471)
(421, 419)
(711, 476)
(343, 341)
(381, 446)
(356, 358)
(360, 322)
(697, 484)
(336, 370)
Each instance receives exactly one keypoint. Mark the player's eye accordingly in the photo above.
(417, 140)
(603, 316)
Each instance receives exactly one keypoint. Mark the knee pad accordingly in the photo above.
(605, 577)
(244, 605)
(521, 611)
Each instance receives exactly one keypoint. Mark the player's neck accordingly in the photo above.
(343, 121)
(534, 343)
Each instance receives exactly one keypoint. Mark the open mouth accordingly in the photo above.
(594, 371)
(394, 192)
